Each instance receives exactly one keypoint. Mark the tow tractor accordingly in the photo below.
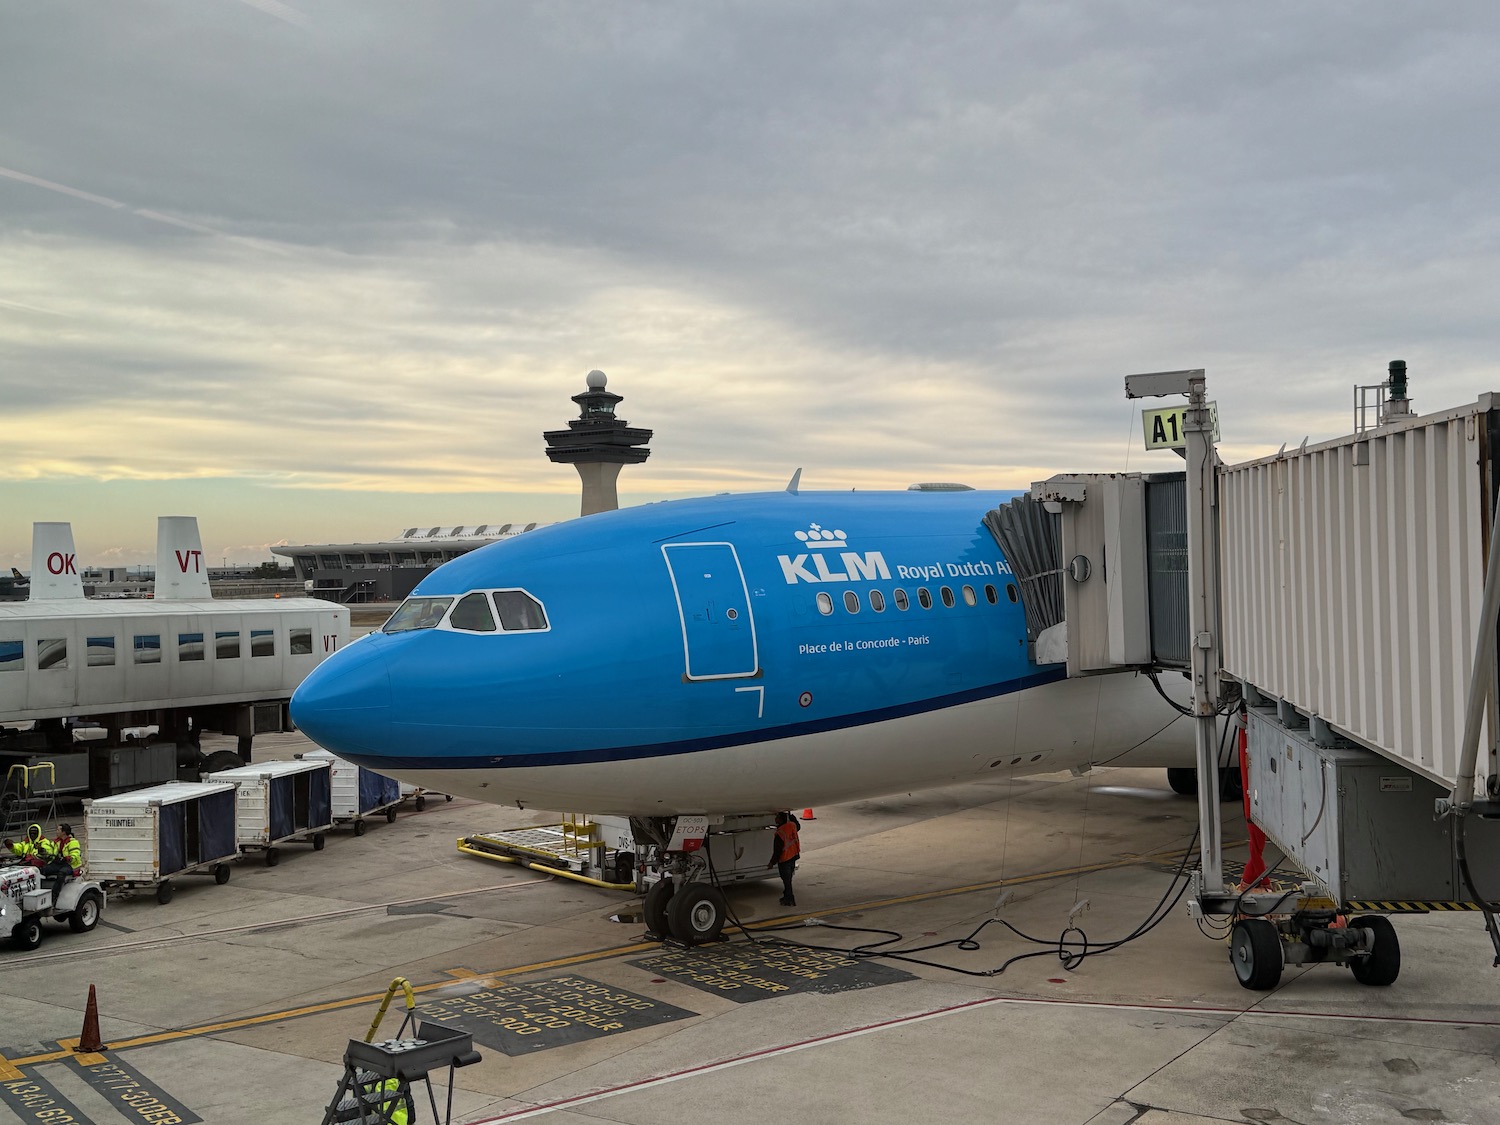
(28, 897)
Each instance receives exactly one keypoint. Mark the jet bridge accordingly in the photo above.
(1341, 597)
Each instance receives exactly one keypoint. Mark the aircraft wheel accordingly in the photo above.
(1382, 965)
(85, 915)
(1255, 952)
(447, 796)
(164, 891)
(696, 913)
(360, 827)
(655, 906)
(221, 873)
(319, 843)
(390, 815)
(27, 934)
(1183, 781)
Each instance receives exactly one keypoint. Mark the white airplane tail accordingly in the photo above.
(181, 575)
(54, 563)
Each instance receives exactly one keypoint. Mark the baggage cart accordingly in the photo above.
(279, 803)
(358, 793)
(151, 836)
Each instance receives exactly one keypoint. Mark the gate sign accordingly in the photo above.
(1164, 426)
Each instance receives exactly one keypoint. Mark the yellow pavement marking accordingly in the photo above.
(160, 1037)
(9, 1073)
(89, 1060)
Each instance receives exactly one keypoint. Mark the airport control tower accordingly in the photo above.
(596, 443)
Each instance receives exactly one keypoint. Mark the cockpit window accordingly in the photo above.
(417, 613)
(473, 613)
(519, 611)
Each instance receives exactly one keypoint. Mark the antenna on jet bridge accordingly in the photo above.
(791, 485)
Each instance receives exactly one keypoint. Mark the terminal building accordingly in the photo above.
(387, 571)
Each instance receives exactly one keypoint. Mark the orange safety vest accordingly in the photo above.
(791, 845)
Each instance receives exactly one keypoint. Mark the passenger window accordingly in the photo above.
(473, 613)
(991, 595)
(947, 596)
(970, 598)
(262, 642)
(851, 601)
(299, 642)
(903, 603)
(12, 656)
(100, 652)
(519, 611)
(924, 599)
(189, 646)
(417, 613)
(825, 603)
(147, 649)
(227, 646)
(877, 601)
(52, 653)
(1010, 592)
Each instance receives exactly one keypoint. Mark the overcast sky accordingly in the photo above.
(318, 270)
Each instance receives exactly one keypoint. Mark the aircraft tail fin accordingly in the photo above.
(54, 563)
(16, 574)
(181, 574)
(791, 485)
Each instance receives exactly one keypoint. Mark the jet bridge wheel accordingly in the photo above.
(696, 913)
(1382, 965)
(654, 906)
(1255, 952)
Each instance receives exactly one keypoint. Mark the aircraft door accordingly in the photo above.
(718, 630)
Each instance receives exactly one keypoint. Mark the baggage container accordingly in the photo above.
(357, 793)
(281, 802)
(151, 836)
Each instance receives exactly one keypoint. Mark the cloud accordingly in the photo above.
(371, 248)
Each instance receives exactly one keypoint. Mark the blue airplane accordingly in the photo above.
(724, 655)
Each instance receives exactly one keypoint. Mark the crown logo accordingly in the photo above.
(816, 537)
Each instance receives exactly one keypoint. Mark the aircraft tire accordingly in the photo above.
(1383, 963)
(696, 913)
(654, 906)
(1184, 781)
(1255, 952)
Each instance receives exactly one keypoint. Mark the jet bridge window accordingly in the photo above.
(519, 611)
(262, 642)
(417, 613)
(472, 613)
(299, 642)
(189, 646)
(147, 649)
(100, 652)
(12, 656)
(227, 645)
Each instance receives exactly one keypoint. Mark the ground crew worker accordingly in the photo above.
(390, 1099)
(67, 847)
(784, 853)
(35, 849)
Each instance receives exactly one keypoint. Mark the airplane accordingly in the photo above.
(716, 656)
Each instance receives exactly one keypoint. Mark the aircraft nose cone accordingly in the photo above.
(344, 704)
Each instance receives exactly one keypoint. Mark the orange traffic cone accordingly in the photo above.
(807, 814)
(89, 1041)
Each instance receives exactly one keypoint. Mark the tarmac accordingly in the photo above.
(234, 1004)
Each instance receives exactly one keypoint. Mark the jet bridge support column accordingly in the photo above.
(1203, 602)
